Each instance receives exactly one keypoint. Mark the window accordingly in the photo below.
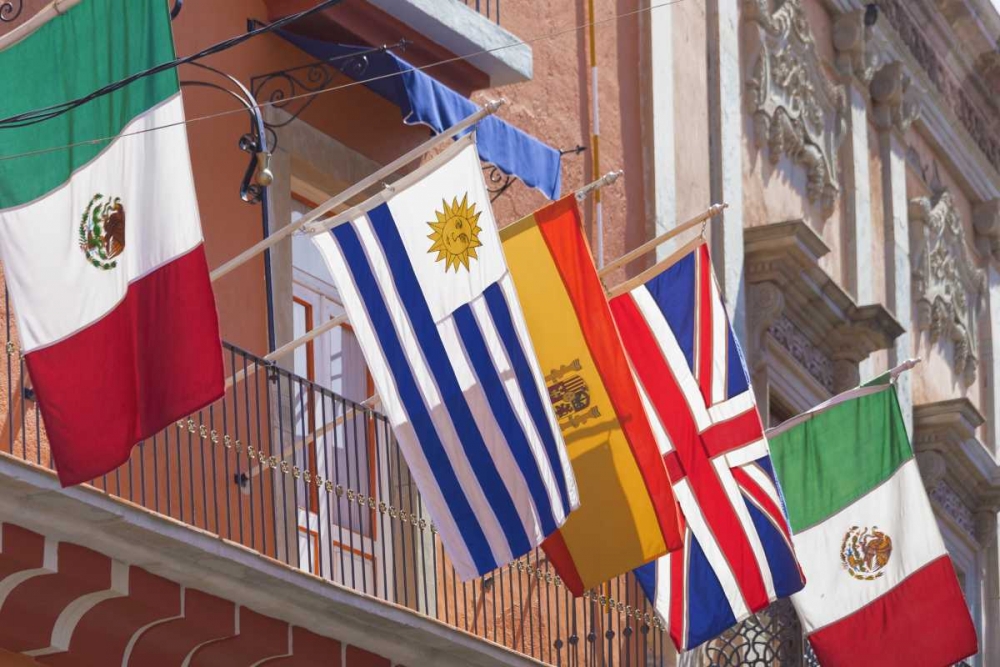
(337, 537)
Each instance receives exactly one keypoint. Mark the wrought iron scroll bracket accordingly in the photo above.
(498, 182)
(294, 90)
(10, 10)
(257, 176)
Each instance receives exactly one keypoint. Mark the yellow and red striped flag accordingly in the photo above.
(627, 514)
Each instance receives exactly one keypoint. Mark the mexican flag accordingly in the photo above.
(100, 240)
(880, 585)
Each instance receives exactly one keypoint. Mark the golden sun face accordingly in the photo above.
(456, 233)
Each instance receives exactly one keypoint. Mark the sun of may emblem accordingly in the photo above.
(865, 552)
(102, 231)
(456, 233)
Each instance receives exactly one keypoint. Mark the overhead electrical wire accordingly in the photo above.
(288, 19)
(40, 115)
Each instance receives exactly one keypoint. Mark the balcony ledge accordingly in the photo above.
(31, 497)
(463, 30)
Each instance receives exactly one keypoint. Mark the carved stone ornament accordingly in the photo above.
(986, 220)
(854, 54)
(896, 102)
(797, 110)
(948, 289)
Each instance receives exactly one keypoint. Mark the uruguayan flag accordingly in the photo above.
(423, 278)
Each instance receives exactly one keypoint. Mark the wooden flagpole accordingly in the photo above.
(656, 269)
(594, 186)
(43, 16)
(488, 109)
(632, 255)
(607, 179)
(857, 392)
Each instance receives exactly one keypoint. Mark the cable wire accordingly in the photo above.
(350, 84)
(40, 115)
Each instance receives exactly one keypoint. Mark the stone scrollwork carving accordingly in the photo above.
(947, 287)
(797, 110)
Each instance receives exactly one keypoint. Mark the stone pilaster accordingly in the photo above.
(661, 177)
(726, 153)
(888, 94)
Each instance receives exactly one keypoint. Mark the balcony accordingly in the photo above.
(296, 503)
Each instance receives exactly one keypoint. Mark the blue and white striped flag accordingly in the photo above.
(425, 284)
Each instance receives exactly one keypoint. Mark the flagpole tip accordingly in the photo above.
(494, 105)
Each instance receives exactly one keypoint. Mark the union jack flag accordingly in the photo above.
(737, 556)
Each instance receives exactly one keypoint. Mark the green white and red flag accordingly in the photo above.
(101, 240)
(881, 588)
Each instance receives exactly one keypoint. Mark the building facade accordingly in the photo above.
(857, 147)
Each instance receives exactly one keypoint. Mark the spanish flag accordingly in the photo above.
(627, 514)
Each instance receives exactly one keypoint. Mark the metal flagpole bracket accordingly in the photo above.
(10, 10)
(258, 175)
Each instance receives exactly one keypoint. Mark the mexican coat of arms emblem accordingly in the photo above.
(101, 233)
(865, 552)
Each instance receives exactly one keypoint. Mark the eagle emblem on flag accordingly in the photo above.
(865, 552)
(102, 231)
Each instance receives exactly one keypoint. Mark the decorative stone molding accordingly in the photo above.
(952, 93)
(821, 326)
(961, 477)
(764, 305)
(850, 39)
(948, 289)
(986, 221)
(932, 468)
(952, 504)
(797, 110)
(896, 103)
(786, 334)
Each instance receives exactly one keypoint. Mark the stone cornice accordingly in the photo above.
(944, 438)
(904, 41)
(938, 121)
(786, 255)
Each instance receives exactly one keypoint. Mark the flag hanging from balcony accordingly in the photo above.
(101, 242)
(627, 513)
(881, 582)
(426, 288)
(737, 556)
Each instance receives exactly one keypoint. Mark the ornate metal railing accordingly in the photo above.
(313, 480)
(488, 8)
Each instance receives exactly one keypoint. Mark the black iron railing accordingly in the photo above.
(311, 479)
(488, 8)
